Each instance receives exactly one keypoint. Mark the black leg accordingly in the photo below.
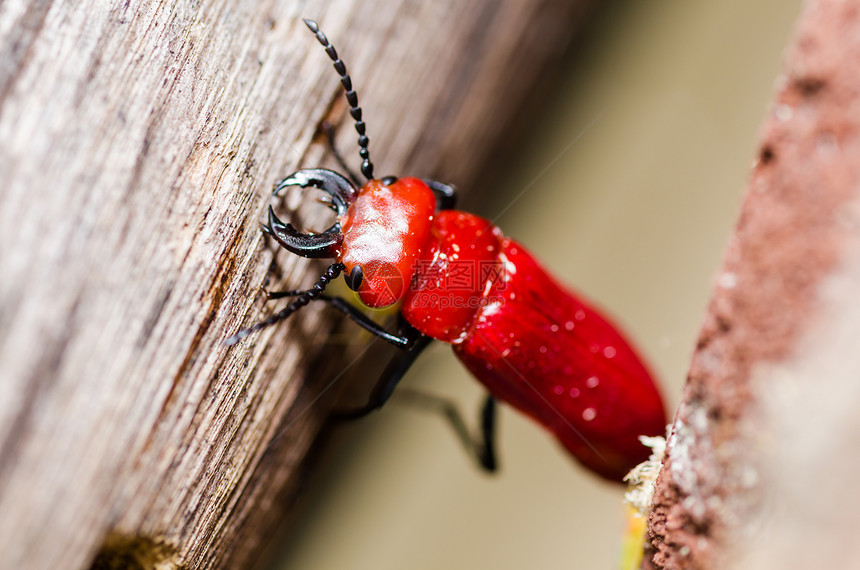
(302, 298)
(446, 195)
(488, 434)
(406, 336)
(273, 268)
(481, 448)
(328, 130)
(389, 379)
(273, 295)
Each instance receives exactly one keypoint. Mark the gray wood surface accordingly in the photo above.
(138, 145)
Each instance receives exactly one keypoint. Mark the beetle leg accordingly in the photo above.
(446, 195)
(302, 299)
(328, 130)
(273, 295)
(488, 434)
(405, 338)
(272, 270)
(389, 379)
(481, 448)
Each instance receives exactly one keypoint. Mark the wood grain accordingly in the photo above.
(138, 143)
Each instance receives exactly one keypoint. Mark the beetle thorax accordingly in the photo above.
(384, 232)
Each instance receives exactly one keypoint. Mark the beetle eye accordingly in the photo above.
(354, 279)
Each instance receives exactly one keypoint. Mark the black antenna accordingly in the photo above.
(351, 97)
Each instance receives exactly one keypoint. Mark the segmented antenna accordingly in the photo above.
(351, 97)
(302, 299)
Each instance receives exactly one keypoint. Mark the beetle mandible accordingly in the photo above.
(460, 280)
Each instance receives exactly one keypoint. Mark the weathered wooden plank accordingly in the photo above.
(137, 146)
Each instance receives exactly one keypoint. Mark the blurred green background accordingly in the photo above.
(630, 186)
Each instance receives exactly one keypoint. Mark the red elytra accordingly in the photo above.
(530, 341)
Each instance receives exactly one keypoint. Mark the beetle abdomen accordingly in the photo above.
(544, 351)
(535, 345)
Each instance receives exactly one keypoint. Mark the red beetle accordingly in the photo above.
(460, 280)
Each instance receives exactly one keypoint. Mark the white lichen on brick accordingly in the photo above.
(643, 477)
